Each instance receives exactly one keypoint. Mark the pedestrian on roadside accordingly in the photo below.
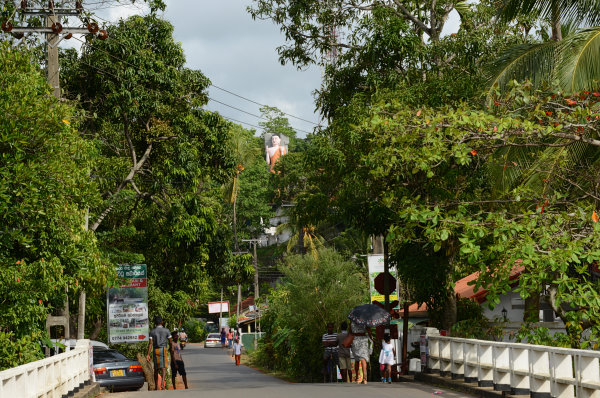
(360, 349)
(223, 337)
(230, 338)
(330, 350)
(177, 365)
(237, 351)
(344, 354)
(160, 338)
(386, 358)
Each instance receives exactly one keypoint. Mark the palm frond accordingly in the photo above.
(534, 62)
(579, 68)
(510, 9)
(510, 168)
(576, 11)
(462, 7)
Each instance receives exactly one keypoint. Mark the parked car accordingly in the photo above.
(60, 345)
(115, 371)
(212, 340)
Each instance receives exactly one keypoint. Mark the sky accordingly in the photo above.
(237, 54)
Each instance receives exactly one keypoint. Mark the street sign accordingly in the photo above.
(380, 283)
(218, 306)
(127, 305)
(376, 267)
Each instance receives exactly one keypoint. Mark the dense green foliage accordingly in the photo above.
(161, 161)
(195, 330)
(311, 294)
(44, 190)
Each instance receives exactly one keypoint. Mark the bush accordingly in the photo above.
(195, 331)
(15, 352)
(130, 350)
(314, 291)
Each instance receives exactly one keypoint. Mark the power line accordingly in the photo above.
(251, 114)
(231, 92)
(211, 99)
(258, 103)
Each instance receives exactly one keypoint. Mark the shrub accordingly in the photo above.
(313, 292)
(15, 352)
(195, 331)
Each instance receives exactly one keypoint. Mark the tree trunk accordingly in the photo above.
(449, 316)
(235, 238)
(555, 21)
(148, 371)
(97, 329)
(531, 312)
(81, 316)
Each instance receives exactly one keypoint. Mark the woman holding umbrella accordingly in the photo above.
(364, 317)
(360, 349)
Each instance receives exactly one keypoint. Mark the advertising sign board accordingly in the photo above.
(128, 306)
(218, 306)
(375, 262)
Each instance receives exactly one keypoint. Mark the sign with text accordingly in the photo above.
(218, 306)
(128, 305)
(375, 262)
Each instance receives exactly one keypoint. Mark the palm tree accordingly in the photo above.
(573, 62)
(244, 154)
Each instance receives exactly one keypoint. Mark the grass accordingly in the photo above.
(246, 360)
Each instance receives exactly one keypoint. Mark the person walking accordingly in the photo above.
(330, 351)
(360, 349)
(230, 338)
(177, 365)
(386, 358)
(344, 354)
(160, 338)
(237, 351)
(223, 337)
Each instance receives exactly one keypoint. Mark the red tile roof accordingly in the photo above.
(464, 289)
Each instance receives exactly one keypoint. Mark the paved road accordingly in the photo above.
(210, 372)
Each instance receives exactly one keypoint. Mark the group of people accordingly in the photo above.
(232, 341)
(162, 341)
(341, 347)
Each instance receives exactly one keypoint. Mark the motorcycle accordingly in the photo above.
(183, 341)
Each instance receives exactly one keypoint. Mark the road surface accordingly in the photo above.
(211, 373)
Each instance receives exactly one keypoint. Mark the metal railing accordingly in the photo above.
(50, 377)
(538, 371)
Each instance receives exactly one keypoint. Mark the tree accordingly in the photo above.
(309, 26)
(163, 158)
(572, 62)
(44, 191)
(311, 294)
(437, 164)
(248, 186)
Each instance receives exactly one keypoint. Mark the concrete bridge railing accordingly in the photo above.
(522, 369)
(51, 377)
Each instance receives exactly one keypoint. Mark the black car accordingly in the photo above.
(115, 371)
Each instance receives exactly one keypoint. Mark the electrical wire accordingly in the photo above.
(231, 92)
(211, 99)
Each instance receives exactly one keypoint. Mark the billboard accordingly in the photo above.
(218, 306)
(127, 306)
(276, 146)
(375, 262)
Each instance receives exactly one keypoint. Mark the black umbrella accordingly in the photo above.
(369, 315)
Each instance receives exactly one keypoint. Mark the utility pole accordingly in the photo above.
(53, 68)
(255, 264)
(54, 33)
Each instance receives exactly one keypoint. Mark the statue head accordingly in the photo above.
(275, 140)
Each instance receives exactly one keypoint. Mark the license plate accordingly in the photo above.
(117, 373)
